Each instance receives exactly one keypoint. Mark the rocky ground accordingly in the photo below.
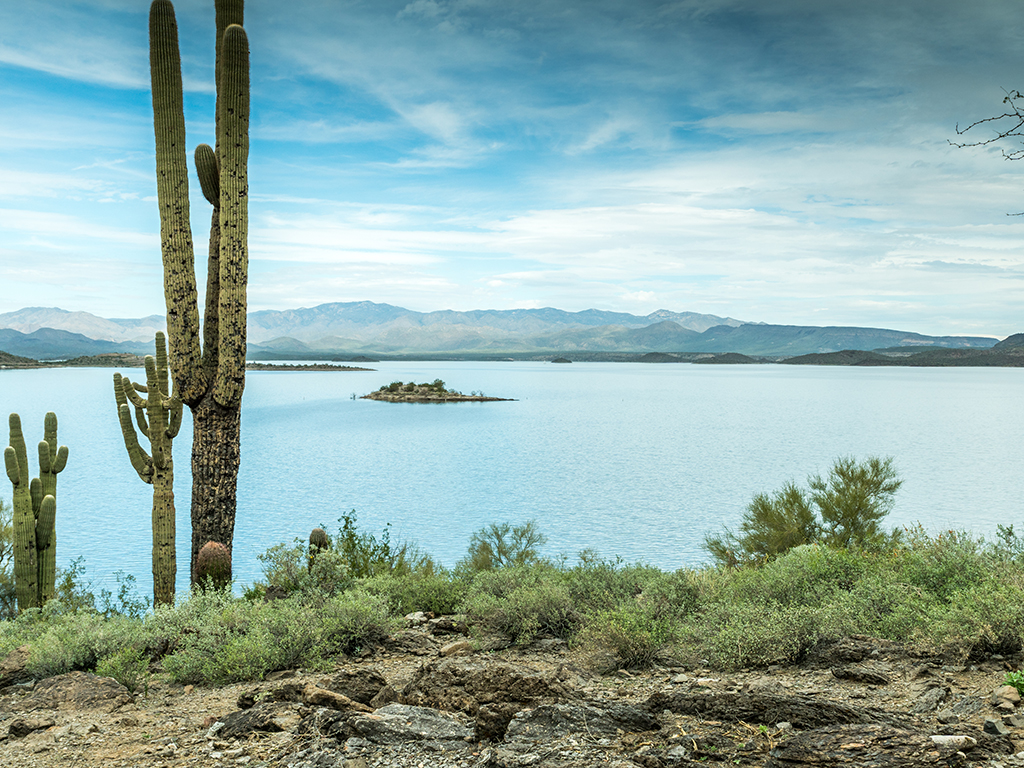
(431, 698)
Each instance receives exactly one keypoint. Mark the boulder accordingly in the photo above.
(411, 641)
(397, 723)
(78, 691)
(267, 717)
(878, 746)
(769, 708)
(23, 726)
(12, 668)
(464, 685)
(358, 683)
(553, 721)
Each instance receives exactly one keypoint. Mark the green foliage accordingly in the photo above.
(1016, 679)
(439, 593)
(353, 554)
(8, 596)
(844, 509)
(221, 639)
(129, 666)
(636, 633)
(854, 499)
(501, 545)
(524, 602)
(367, 555)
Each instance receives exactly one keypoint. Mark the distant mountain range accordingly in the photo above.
(369, 329)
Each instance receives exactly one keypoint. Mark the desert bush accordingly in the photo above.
(635, 633)
(843, 509)
(523, 603)
(218, 639)
(129, 666)
(501, 545)
(944, 563)
(439, 593)
(354, 554)
(353, 621)
(597, 583)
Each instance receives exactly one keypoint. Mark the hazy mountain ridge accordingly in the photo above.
(354, 328)
(31, 319)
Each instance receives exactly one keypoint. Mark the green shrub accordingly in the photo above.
(501, 545)
(523, 603)
(353, 621)
(129, 666)
(438, 593)
(844, 509)
(635, 632)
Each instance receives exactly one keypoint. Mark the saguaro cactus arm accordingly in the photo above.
(233, 151)
(141, 461)
(172, 194)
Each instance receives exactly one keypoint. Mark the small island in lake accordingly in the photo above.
(400, 392)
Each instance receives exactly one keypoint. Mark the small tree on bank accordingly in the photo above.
(843, 509)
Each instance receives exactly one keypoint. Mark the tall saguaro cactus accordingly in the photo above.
(209, 375)
(35, 512)
(158, 416)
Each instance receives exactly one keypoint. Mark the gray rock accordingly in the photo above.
(448, 625)
(24, 726)
(947, 717)
(553, 721)
(457, 648)
(267, 717)
(358, 683)
(464, 685)
(995, 727)
(78, 691)
(861, 673)
(411, 641)
(12, 668)
(386, 695)
(929, 699)
(401, 722)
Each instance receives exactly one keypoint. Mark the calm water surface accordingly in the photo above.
(628, 459)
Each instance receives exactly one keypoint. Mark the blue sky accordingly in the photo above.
(782, 161)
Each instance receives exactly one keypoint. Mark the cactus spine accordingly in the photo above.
(158, 416)
(209, 375)
(35, 512)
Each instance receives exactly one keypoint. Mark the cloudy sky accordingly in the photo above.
(784, 161)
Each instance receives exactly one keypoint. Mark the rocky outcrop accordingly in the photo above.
(78, 691)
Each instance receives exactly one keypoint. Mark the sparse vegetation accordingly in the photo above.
(951, 593)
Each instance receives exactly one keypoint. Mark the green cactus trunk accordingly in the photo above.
(209, 376)
(158, 416)
(35, 512)
(26, 570)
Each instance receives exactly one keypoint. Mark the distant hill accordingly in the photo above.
(398, 328)
(32, 319)
(350, 329)
(1005, 357)
(1011, 342)
(51, 344)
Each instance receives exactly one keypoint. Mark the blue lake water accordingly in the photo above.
(634, 460)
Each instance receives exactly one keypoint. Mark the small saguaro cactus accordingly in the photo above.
(213, 566)
(318, 541)
(158, 416)
(35, 512)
